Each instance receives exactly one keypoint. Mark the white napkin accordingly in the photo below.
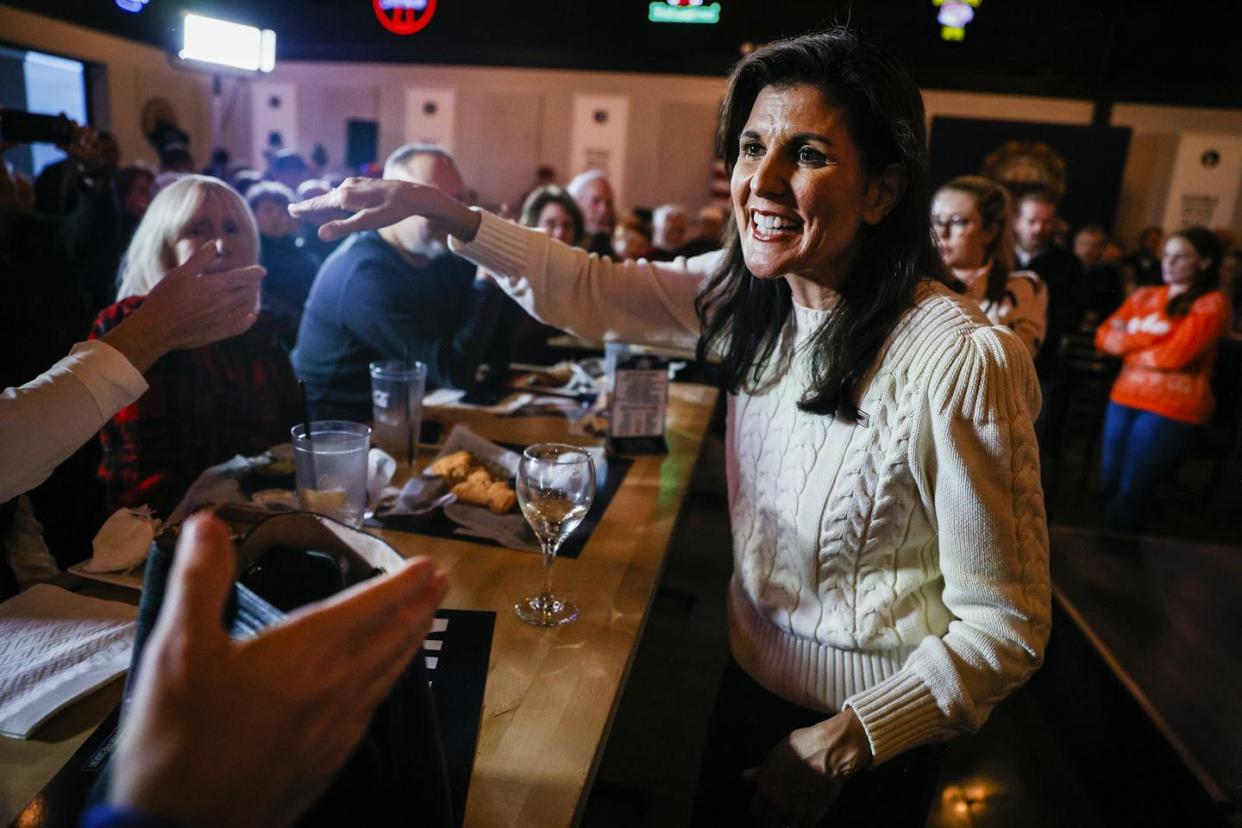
(510, 531)
(452, 398)
(380, 469)
(419, 496)
(123, 541)
(56, 647)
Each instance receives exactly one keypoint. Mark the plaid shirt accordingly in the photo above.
(203, 406)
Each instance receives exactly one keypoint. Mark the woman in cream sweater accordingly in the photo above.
(890, 549)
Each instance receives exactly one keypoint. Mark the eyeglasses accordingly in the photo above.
(954, 222)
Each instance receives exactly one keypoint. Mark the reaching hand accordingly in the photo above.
(193, 305)
(372, 203)
(802, 775)
(224, 732)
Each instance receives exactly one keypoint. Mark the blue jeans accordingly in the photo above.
(1137, 450)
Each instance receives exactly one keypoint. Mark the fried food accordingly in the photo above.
(474, 483)
(455, 467)
(494, 494)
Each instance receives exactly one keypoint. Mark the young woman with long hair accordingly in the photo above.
(1166, 337)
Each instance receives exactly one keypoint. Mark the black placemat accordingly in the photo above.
(457, 653)
(438, 525)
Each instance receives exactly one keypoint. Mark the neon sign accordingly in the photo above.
(404, 17)
(683, 11)
(953, 17)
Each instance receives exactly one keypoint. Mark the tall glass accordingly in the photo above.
(330, 468)
(397, 406)
(555, 487)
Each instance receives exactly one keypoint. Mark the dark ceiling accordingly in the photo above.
(1112, 50)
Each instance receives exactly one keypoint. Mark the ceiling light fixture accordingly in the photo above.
(953, 17)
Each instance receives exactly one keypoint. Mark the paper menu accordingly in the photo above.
(55, 647)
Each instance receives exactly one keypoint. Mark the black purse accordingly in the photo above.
(397, 775)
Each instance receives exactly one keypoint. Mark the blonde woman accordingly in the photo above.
(973, 222)
(237, 396)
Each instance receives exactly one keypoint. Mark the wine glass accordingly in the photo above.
(555, 487)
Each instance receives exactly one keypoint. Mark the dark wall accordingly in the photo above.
(1094, 158)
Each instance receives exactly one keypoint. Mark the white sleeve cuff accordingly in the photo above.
(111, 379)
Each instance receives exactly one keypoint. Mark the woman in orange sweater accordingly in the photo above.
(1167, 338)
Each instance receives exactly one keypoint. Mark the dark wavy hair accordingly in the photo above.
(1208, 246)
(551, 194)
(741, 315)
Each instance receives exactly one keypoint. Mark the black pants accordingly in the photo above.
(748, 721)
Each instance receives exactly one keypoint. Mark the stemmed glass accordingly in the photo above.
(555, 487)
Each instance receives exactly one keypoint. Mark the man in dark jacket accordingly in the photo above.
(398, 294)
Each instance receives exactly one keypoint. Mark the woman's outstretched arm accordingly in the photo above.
(633, 301)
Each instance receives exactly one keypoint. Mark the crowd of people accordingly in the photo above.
(885, 350)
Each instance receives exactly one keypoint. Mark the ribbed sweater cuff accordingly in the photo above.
(899, 713)
(109, 377)
(499, 246)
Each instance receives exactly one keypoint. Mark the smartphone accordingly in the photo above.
(32, 128)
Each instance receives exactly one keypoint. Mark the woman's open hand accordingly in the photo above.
(798, 782)
(372, 203)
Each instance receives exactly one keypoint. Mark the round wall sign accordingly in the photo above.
(404, 17)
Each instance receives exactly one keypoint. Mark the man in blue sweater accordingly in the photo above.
(399, 294)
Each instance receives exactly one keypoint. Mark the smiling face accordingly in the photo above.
(1181, 263)
(961, 235)
(800, 194)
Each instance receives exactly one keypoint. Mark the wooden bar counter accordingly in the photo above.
(551, 693)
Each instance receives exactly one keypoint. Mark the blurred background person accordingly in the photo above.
(593, 192)
(554, 211)
(55, 272)
(972, 220)
(290, 268)
(237, 396)
(1035, 224)
(710, 221)
(1167, 338)
(289, 168)
(176, 158)
(244, 179)
(668, 231)
(1102, 284)
(631, 239)
(56, 185)
(1142, 267)
(308, 234)
(220, 164)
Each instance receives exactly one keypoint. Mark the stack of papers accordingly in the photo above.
(56, 647)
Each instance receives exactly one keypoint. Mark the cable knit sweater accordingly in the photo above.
(897, 566)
